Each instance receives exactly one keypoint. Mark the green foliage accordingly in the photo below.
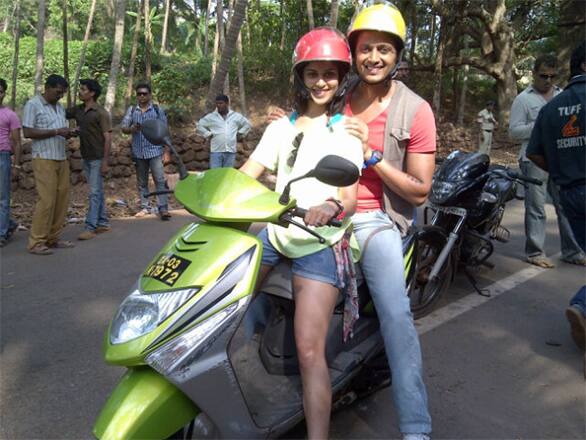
(175, 80)
(98, 56)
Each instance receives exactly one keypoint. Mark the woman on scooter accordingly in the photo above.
(292, 146)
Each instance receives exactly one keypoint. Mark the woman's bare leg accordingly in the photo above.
(314, 305)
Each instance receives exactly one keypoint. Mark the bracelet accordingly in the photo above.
(338, 203)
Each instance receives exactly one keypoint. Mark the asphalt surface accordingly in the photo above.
(506, 368)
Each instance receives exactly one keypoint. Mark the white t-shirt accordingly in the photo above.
(273, 152)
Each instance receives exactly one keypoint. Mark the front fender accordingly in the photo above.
(144, 405)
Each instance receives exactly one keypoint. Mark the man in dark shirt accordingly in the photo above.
(95, 136)
(558, 145)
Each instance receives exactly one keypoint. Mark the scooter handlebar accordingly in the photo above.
(524, 178)
(300, 212)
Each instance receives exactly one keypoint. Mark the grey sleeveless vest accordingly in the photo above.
(402, 109)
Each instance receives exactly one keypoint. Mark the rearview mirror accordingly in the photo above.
(331, 170)
(156, 132)
(335, 171)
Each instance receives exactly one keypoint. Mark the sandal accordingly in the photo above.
(61, 244)
(541, 261)
(40, 249)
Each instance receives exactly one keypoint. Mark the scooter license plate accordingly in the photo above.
(167, 268)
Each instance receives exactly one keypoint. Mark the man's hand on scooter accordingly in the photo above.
(320, 215)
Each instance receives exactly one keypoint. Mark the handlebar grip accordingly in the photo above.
(300, 212)
(524, 178)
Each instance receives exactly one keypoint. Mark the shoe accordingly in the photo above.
(142, 213)
(87, 235)
(3, 242)
(580, 261)
(102, 229)
(541, 261)
(61, 244)
(164, 214)
(576, 320)
(40, 249)
(420, 436)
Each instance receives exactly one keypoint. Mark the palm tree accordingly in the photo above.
(229, 48)
(115, 66)
(86, 38)
(16, 52)
(40, 45)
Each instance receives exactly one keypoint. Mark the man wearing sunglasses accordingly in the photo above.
(524, 111)
(147, 156)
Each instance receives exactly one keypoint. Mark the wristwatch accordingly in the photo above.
(375, 158)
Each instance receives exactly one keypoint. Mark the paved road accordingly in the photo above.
(505, 368)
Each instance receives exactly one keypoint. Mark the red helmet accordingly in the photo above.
(322, 44)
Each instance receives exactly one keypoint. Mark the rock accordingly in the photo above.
(27, 182)
(75, 164)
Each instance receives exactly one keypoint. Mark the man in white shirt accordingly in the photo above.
(524, 112)
(224, 128)
(487, 124)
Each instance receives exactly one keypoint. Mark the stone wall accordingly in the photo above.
(193, 149)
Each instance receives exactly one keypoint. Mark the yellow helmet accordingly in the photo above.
(382, 17)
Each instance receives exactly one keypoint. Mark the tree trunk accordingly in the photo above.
(133, 53)
(571, 29)
(334, 7)
(148, 40)
(219, 39)
(165, 27)
(224, 65)
(223, 41)
(437, 76)
(431, 37)
(197, 25)
(464, 90)
(86, 37)
(283, 24)
(506, 91)
(66, 53)
(206, 29)
(413, 33)
(16, 53)
(241, 76)
(117, 50)
(310, 19)
(40, 45)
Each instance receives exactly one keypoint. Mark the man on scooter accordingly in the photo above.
(397, 130)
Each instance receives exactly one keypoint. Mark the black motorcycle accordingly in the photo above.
(468, 199)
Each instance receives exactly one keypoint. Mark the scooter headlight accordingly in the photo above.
(140, 313)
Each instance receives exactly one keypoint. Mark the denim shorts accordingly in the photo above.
(319, 266)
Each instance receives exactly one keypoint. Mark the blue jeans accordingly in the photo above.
(96, 213)
(7, 225)
(219, 160)
(573, 202)
(383, 269)
(535, 220)
(142, 179)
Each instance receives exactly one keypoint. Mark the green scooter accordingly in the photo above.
(205, 356)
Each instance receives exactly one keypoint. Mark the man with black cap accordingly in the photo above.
(224, 127)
